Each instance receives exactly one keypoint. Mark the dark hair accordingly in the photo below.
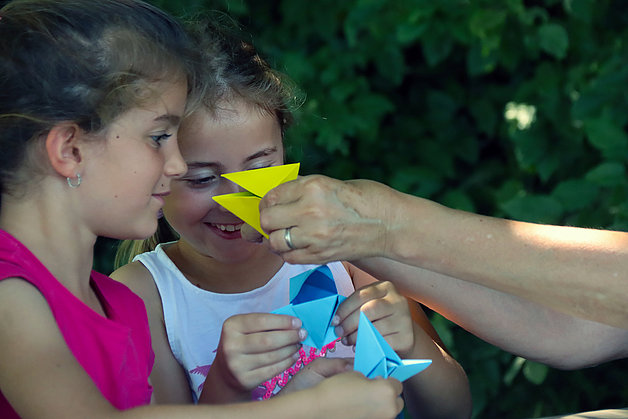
(82, 61)
(230, 70)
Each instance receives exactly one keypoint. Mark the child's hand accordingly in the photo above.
(253, 348)
(385, 308)
(352, 395)
(316, 371)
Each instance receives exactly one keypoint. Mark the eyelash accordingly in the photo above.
(158, 139)
(205, 181)
(201, 182)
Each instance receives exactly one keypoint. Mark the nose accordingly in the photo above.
(226, 187)
(174, 165)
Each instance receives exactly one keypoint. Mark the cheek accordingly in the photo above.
(185, 207)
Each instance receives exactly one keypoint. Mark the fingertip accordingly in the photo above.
(296, 323)
(339, 331)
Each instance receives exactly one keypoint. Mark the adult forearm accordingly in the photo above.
(512, 323)
(578, 271)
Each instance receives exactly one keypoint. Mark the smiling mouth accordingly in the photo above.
(227, 227)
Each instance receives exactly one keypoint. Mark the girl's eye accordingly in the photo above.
(259, 166)
(201, 181)
(158, 139)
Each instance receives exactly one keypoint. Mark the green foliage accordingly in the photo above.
(509, 108)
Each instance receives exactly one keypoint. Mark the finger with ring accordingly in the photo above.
(287, 236)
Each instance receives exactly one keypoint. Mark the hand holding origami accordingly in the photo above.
(314, 299)
(375, 358)
(257, 183)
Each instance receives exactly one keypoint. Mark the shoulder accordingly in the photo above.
(135, 276)
(32, 347)
(25, 316)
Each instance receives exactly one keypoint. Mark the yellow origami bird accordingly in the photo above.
(257, 182)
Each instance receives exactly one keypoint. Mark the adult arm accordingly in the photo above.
(581, 272)
(512, 323)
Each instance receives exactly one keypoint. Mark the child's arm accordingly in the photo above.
(40, 377)
(442, 390)
(253, 348)
(170, 384)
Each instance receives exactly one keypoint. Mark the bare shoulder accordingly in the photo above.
(38, 373)
(135, 276)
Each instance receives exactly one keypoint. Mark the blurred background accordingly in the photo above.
(510, 108)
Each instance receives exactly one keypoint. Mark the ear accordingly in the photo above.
(63, 146)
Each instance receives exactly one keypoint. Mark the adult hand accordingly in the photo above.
(327, 219)
(253, 348)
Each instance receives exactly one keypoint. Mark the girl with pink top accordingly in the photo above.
(91, 97)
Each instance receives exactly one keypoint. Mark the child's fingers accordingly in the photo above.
(264, 342)
(259, 322)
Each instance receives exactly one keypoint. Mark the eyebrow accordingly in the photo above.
(172, 119)
(261, 153)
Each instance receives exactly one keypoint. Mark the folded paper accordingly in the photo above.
(314, 299)
(257, 183)
(375, 358)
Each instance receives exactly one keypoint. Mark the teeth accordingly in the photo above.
(228, 227)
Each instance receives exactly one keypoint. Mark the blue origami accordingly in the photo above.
(375, 358)
(314, 299)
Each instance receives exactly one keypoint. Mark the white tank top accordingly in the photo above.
(194, 317)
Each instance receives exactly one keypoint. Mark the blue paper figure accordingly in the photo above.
(314, 299)
(375, 358)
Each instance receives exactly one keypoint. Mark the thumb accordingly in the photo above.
(250, 234)
(328, 367)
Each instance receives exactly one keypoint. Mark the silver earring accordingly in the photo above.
(74, 185)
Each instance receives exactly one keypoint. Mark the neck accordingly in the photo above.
(226, 278)
(48, 228)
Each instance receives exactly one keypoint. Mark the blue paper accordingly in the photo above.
(314, 299)
(375, 358)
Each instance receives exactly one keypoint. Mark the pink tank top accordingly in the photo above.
(115, 351)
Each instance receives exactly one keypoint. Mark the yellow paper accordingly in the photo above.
(257, 183)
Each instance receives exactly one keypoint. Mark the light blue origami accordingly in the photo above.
(314, 299)
(375, 358)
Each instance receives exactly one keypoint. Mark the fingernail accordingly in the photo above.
(302, 334)
(335, 320)
(296, 322)
(339, 331)
(344, 341)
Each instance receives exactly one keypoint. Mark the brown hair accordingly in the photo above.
(231, 70)
(82, 61)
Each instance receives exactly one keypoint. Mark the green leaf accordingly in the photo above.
(458, 200)
(513, 370)
(607, 174)
(535, 372)
(605, 135)
(575, 194)
(554, 40)
(534, 208)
